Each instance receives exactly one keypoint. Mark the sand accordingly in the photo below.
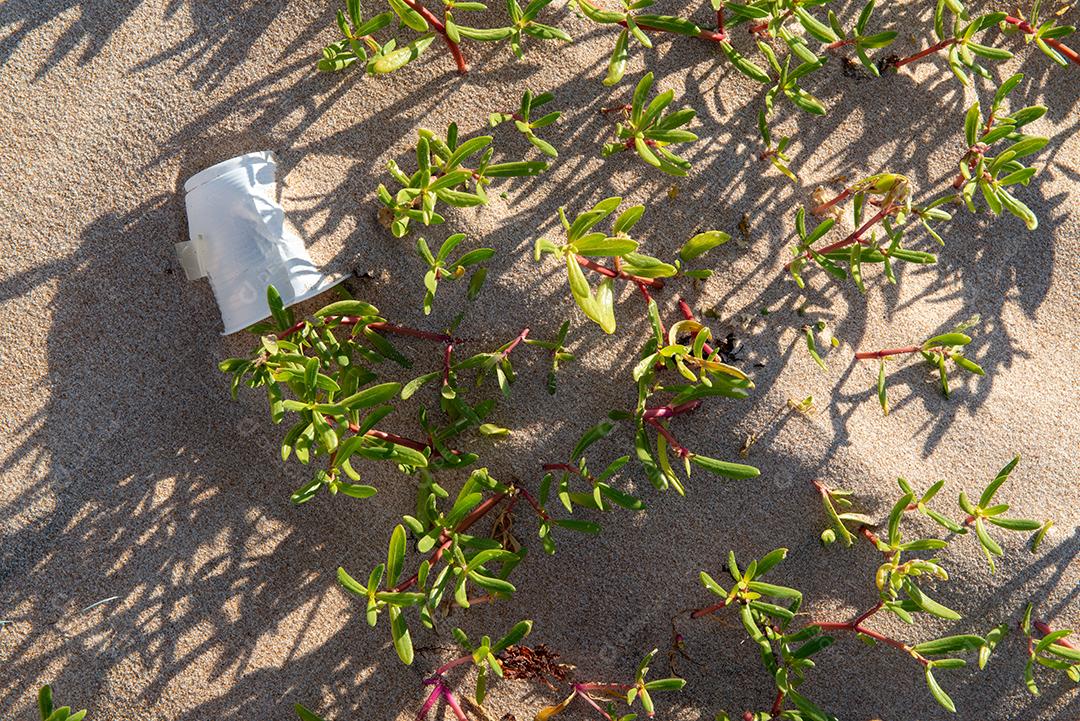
(129, 477)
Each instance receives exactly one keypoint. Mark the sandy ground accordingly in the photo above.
(129, 475)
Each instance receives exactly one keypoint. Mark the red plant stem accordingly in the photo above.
(629, 144)
(379, 326)
(479, 512)
(759, 29)
(476, 514)
(855, 237)
(453, 664)
(872, 634)
(514, 343)
(688, 314)
(604, 687)
(1027, 29)
(675, 446)
(452, 702)
(590, 701)
(857, 626)
(698, 613)
(869, 536)
(440, 28)
(655, 283)
(394, 438)
(923, 53)
(720, 19)
(429, 703)
(290, 330)
(778, 703)
(616, 108)
(818, 210)
(714, 36)
(1044, 628)
(399, 440)
(569, 469)
(670, 411)
(644, 292)
(402, 330)
(841, 43)
(867, 355)
(868, 614)
(534, 503)
(703, 34)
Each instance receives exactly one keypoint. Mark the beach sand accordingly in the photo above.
(130, 477)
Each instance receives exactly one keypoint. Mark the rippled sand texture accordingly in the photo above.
(129, 475)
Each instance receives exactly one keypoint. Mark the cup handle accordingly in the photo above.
(188, 254)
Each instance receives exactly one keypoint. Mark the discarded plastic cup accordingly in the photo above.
(240, 243)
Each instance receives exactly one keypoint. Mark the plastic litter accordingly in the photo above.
(240, 243)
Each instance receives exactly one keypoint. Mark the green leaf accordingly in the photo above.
(895, 515)
(994, 485)
(724, 468)
(354, 490)
(1018, 209)
(45, 700)
(811, 346)
(408, 16)
(400, 633)
(967, 364)
(518, 632)
(882, 398)
(813, 646)
(601, 430)
(617, 64)
(401, 57)
(489, 583)
(647, 266)
(938, 693)
(988, 52)
(950, 644)
(628, 219)
(578, 525)
(395, 556)
(371, 396)
(400, 598)
(702, 243)
(770, 589)
(971, 125)
(946, 340)
(350, 584)
(666, 684)
(928, 604)
(769, 560)
(877, 40)
(302, 712)
(988, 543)
(712, 585)
(282, 317)
(1015, 524)
(743, 65)
(814, 27)
(596, 245)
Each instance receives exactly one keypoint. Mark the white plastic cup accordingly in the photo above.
(240, 243)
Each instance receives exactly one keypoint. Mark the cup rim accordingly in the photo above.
(215, 171)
